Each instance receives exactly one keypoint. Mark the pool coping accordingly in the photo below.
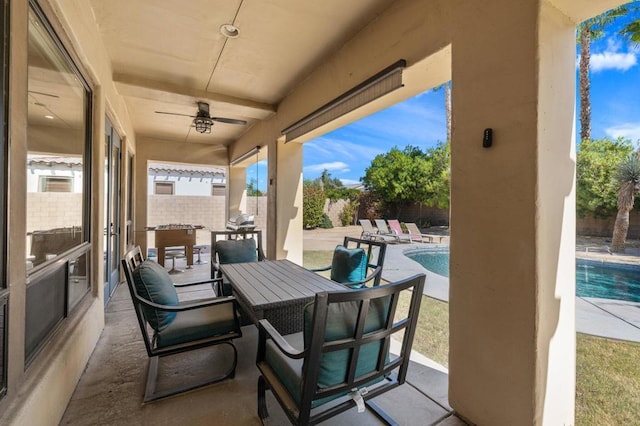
(613, 319)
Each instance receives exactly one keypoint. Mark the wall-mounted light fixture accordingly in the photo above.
(246, 155)
(380, 84)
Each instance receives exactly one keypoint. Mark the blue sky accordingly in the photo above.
(420, 121)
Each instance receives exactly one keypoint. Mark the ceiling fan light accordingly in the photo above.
(203, 124)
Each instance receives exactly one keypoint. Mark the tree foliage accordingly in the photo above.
(312, 204)
(334, 189)
(252, 189)
(411, 176)
(597, 162)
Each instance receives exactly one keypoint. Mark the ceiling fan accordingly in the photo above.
(203, 120)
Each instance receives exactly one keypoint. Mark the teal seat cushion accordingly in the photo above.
(153, 283)
(195, 324)
(289, 370)
(237, 251)
(341, 324)
(348, 265)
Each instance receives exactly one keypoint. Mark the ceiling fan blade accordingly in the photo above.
(174, 113)
(229, 120)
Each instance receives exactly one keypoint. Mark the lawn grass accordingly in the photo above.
(607, 381)
(607, 371)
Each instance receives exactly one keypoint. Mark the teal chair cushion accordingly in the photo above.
(348, 265)
(154, 284)
(195, 324)
(237, 251)
(341, 324)
(289, 370)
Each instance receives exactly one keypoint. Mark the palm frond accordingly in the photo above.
(629, 170)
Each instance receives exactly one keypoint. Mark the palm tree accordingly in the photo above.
(447, 105)
(632, 31)
(589, 30)
(628, 178)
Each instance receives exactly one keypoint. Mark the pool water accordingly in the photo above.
(593, 279)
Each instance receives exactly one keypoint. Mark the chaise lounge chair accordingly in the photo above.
(414, 232)
(397, 230)
(370, 233)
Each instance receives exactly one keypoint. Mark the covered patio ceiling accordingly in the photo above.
(168, 55)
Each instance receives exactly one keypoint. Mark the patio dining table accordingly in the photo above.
(276, 290)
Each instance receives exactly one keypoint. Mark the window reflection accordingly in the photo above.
(78, 282)
(56, 140)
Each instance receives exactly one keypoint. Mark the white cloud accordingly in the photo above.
(334, 147)
(625, 130)
(338, 166)
(612, 60)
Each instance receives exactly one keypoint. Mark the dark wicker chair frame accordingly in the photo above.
(368, 246)
(216, 273)
(300, 414)
(130, 261)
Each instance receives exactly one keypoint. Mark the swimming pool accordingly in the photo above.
(593, 279)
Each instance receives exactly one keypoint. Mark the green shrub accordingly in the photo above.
(312, 204)
(326, 222)
(348, 213)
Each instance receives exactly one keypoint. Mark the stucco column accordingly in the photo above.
(512, 295)
(237, 190)
(287, 234)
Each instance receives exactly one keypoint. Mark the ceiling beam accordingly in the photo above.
(138, 87)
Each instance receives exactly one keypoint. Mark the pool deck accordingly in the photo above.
(608, 318)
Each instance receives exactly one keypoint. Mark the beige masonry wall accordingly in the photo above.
(48, 210)
(198, 210)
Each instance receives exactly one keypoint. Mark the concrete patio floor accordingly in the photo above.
(110, 391)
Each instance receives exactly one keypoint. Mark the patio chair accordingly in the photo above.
(341, 358)
(354, 263)
(370, 233)
(170, 326)
(396, 228)
(415, 233)
(234, 247)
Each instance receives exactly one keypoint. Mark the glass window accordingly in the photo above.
(217, 189)
(164, 188)
(58, 184)
(57, 169)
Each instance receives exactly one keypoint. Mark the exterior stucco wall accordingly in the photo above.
(38, 393)
(511, 321)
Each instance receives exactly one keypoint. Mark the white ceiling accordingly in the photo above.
(168, 54)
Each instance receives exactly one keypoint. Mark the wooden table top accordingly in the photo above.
(276, 283)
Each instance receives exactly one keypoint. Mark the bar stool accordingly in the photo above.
(198, 250)
(173, 254)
